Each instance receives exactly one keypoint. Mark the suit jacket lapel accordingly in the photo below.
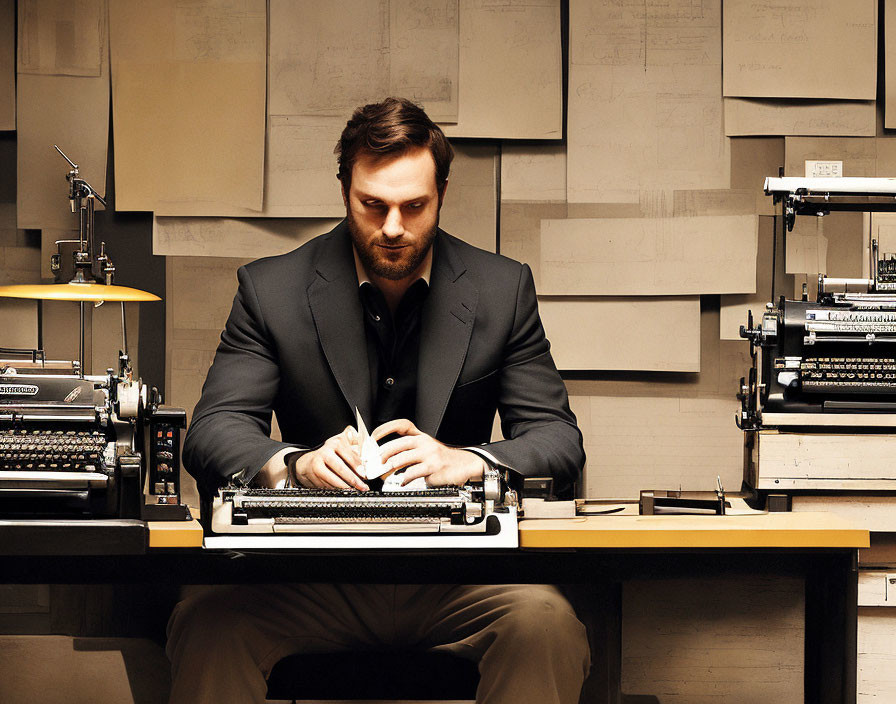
(336, 308)
(447, 323)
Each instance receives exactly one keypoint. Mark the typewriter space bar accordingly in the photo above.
(355, 527)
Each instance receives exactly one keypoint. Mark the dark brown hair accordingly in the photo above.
(390, 128)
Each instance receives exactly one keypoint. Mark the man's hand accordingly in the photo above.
(424, 456)
(334, 465)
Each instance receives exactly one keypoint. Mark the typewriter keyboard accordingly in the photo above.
(848, 374)
(51, 450)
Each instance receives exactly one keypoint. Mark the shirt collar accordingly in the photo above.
(363, 278)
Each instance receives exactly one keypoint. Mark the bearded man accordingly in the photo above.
(428, 337)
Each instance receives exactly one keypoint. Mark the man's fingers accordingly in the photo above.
(405, 459)
(393, 447)
(328, 470)
(401, 426)
(348, 454)
(337, 467)
(415, 472)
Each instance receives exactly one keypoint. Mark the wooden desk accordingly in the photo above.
(597, 550)
(771, 530)
(173, 534)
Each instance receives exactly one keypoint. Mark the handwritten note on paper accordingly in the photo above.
(801, 49)
(423, 52)
(315, 69)
(326, 63)
(645, 107)
(649, 256)
(511, 70)
(621, 333)
(62, 38)
(748, 116)
(824, 169)
(189, 103)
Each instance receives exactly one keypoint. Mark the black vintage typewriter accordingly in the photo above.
(836, 354)
(83, 446)
(819, 403)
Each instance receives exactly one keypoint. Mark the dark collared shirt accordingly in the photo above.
(393, 347)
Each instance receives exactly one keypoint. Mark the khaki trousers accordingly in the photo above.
(530, 646)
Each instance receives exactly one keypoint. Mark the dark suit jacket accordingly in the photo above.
(295, 344)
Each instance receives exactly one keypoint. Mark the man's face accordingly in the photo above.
(393, 211)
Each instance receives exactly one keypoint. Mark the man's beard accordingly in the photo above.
(375, 263)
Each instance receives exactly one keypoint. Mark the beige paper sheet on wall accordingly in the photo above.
(188, 94)
(300, 169)
(746, 116)
(858, 154)
(636, 442)
(423, 51)
(510, 83)
(644, 334)
(469, 210)
(801, 49)
(521, 231)
(20, 265)
(753, 159)
(8, 232)
(645, 107)
(533, 173)
(722, 364)
(73, 113)
(249, 238)
(18, 323)
(58, 37)
(7, 65)
(649, 256)
(199, 295)
(807, 248)
(326, 61)
(733, 310)
(723, 201)
(883, 229)
(889, 64)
